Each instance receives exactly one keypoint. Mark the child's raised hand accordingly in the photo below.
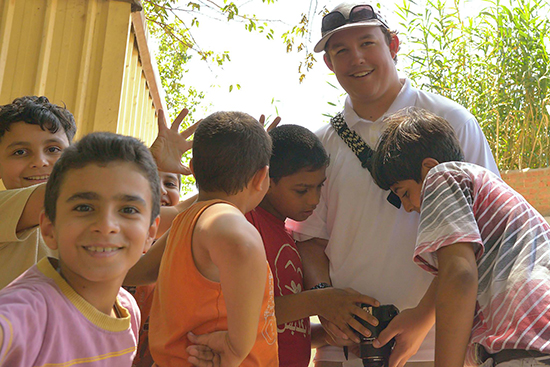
(339, 306)
(212, 350)
(272, 125)
(170, 144)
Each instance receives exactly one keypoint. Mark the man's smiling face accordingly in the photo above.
(28, 153)
(362, 61)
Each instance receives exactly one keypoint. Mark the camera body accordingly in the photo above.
(377, 357)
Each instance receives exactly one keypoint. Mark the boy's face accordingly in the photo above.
(295, 196)
(409, 192)
(28, 153)
(169, 188)
(102, 222)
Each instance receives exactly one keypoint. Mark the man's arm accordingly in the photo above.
(454, 303)
(315, 261)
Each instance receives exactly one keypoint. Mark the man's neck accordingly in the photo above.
(374, 109)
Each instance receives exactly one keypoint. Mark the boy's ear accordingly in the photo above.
(47, 230)
(261, 179)
(151, 235)
(427, 165)
(191, 168)
(326, 57)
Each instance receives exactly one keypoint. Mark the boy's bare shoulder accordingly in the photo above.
(223, 224)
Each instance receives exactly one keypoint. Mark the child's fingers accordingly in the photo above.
(274, 124)
(177, 122)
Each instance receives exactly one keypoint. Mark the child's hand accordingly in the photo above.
(170, 144)
(409, 329)
(271, 126)
(339, 306)
(212, 350)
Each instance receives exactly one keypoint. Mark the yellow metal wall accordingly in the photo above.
(81, 53)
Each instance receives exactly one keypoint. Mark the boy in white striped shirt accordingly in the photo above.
(489, 249)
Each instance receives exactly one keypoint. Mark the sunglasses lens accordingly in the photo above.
(332, 21)
(361, 13)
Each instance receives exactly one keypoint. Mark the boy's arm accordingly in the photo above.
(33, 207)
(315, 261)
(409, 328)
(335, 305)
(146, 270)
(226, 246)
(455, 303)
(168, 213)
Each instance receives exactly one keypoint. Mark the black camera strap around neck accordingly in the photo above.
(360, 148)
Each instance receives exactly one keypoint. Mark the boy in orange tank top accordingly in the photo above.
(214, 278)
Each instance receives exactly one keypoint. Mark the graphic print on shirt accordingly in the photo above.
(288, 258)
(269, 315)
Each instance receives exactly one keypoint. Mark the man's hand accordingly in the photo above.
(271, 126)
(212, 350)
(339, 306)
(170, 144)
(409, 329)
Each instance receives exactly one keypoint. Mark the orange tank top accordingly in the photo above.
(185, 301)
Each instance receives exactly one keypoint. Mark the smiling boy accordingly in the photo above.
(99, 225)
(33, 133)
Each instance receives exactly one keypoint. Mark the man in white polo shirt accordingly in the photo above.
(369, 242)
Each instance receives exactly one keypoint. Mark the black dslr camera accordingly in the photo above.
(371, 356)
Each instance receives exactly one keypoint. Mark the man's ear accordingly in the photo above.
(394, 45)
(326, 57)
(427, 165)
(47, 230)
(261, 179)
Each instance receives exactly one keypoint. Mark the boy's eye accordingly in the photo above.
(19, 152)
(301, 192)
(53, 149)
(129, 210)
(170, 185)
(83, 208)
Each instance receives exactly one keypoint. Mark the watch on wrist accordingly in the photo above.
(321, 286)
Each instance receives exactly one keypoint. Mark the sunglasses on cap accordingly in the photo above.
(358, 13)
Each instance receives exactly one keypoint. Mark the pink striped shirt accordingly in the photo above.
(463, 202)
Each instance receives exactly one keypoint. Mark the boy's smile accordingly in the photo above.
(295, 196)
(28, 153)
(169, 188)
(102, 223)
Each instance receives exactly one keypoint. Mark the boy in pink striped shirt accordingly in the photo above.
(487, 247)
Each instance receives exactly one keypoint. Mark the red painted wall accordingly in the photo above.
(533, 184)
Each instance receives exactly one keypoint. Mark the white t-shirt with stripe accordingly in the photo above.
(463, 202)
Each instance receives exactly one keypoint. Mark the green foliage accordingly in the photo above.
(495, 63)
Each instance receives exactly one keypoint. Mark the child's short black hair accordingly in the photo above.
(37, 111)
(102, 148)
(412, 135)
(229, 148)
(295, 148)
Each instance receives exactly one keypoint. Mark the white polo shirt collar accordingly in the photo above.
(406, 97)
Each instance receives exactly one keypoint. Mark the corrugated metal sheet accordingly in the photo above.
(85, 54)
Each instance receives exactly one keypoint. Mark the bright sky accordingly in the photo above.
(267, 74)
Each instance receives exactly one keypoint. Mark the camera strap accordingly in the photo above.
(360, 148)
